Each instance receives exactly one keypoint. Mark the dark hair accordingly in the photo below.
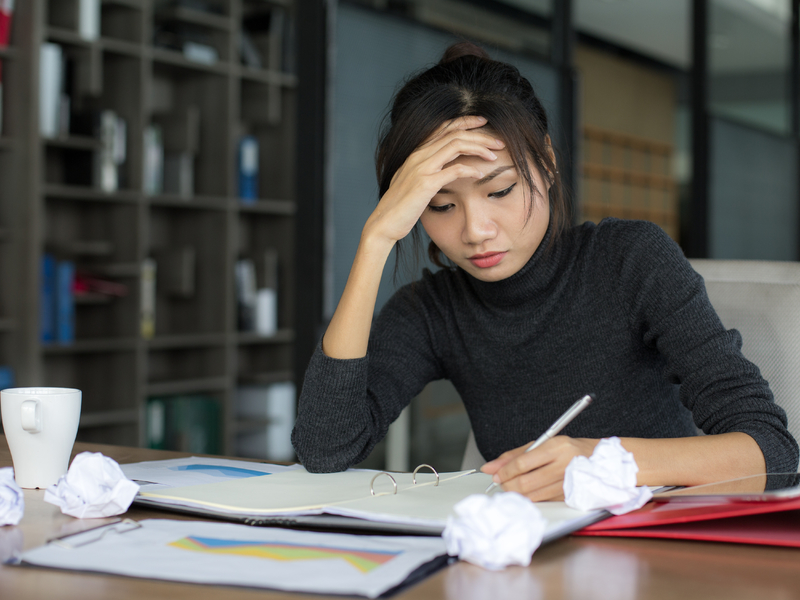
(467, 82)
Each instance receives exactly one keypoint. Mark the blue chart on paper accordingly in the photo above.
(220, 471)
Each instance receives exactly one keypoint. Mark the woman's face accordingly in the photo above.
(482, 225)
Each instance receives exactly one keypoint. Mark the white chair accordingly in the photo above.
(761, 299)
(473, 459)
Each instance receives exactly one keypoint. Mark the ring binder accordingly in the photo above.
(394, 482)
(435, 472)
(372, 483)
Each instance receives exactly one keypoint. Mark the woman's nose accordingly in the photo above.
(478, 226)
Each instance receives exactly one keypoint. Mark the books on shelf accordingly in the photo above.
(112, 153)
(179, 174)
(273, 408)
(246, 294)
(147, 300)
(89, 19)
(6, 377)
(176, 275)
(257, 294)
(266, 315)
(101, 167)
(57, 302)
(6, 13)
(87, 284)
(248, 169)
(1, 97)
(153, 179)
(65, 301)
(192, 40)
(268, 39)
(51, 75)
(188, 423)
(179, 138)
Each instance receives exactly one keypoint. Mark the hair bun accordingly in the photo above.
(461, 49)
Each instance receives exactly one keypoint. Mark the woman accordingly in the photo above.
(528, 314)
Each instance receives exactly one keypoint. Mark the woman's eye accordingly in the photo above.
(440, 209)
(502, 193)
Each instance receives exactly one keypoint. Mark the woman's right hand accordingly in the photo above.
(427, 170)
(416, 182)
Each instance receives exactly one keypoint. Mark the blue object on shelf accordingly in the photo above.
(248, 169)
(65, 301)
(47, 300)
(6, 377)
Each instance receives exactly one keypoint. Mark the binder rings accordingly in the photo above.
(413, 503)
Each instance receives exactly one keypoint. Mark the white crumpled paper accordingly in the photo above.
(495, 531)
(606, 480)
(94, 487)
(12, 503)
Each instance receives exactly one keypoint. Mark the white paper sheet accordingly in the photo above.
(194, 470)
(239, 555)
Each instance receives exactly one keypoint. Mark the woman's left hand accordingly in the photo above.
(538, 474)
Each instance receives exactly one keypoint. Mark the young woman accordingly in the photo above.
(528, 313)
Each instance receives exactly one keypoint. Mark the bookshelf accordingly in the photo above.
(140, 167)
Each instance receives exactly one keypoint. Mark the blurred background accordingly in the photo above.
(183, 182)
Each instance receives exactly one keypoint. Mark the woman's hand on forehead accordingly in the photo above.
(467, 123)
(426, 171)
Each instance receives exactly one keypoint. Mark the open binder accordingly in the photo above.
(416, 503)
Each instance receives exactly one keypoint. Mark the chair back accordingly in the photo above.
(472, 456)
(761, 299)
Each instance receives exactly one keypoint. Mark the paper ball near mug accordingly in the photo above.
(40, 425)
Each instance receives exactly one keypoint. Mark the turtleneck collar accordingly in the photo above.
(532, 282)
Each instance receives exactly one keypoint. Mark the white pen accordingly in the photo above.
(564, 420)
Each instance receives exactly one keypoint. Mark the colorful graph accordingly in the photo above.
(221, 471)
(363, 560)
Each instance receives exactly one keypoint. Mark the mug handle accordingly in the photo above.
(31, 416)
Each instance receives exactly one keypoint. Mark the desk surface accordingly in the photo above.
(579, 568)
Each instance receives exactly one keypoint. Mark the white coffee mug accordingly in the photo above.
(40, 425)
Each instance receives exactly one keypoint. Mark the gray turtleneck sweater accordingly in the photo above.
(614, 309)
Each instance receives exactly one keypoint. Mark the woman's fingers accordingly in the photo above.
(429, 168)
(451, 139)
(538, 474)
(460, 123)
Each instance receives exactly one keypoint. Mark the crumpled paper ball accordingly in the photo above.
(12, 502)
(495, 531)
(607, 479)
(94, 487)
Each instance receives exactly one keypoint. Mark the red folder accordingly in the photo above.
(774, 523)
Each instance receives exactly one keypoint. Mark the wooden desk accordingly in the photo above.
(574, 568)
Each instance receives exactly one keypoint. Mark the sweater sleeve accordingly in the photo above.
(346, 406)
(669, 309)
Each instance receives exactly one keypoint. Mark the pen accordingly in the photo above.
(564, 420)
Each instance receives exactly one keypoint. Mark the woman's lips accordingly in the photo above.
(489, 259)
